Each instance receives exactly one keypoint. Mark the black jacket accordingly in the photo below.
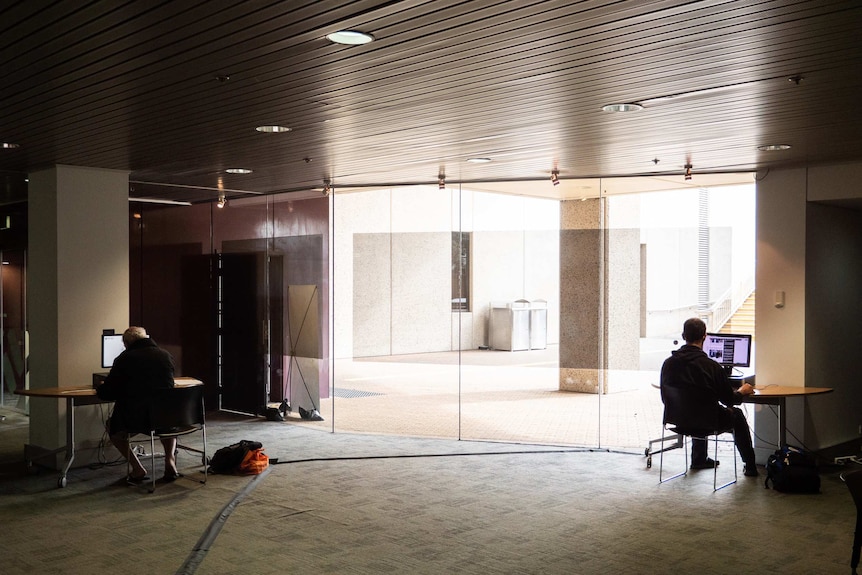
(139, 370)
(696, 391)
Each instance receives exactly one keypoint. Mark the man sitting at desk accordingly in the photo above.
(706, 396)
(140, 369)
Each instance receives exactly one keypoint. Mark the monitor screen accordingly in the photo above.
(112, 346)
(730, 350)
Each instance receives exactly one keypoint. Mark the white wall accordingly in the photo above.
(78, 239)
(780, 349)
(392, 273)
(810, 253)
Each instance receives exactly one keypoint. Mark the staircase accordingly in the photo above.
(742, 321)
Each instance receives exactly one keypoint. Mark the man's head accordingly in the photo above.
(133, 334)
(693, 331)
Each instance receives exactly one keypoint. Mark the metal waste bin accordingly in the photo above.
(509, 325)
(538, 324)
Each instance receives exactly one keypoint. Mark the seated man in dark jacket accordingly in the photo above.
(139, 370)
(697, 394)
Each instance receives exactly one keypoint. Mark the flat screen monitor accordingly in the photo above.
(729, 349)
(112, 346)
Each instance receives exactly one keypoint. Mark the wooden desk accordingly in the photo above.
(777, 395)
(767, 395)
(76, 396)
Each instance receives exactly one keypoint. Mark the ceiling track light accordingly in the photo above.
(687, 172)
(327, 188)
(555, 177)
(441, 183)
(222, 201)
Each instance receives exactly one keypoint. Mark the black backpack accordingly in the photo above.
(227, 459)
(792, 470)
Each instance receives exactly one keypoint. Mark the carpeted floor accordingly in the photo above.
(355, 503)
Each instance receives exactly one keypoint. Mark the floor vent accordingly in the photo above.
(353, 393)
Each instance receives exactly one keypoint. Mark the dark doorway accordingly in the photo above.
(250, 297)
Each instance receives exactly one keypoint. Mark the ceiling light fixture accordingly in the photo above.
(238, 171)
(687, 172)
(350, 37)
(626, 107)
(773, 147)
(222, 201)
(479, 160)
(555, 179)
(441, 183)
(273, 129)
(327, 189)
(10, 146)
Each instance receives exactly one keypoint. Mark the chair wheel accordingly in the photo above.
(649, 462)
(61, 483)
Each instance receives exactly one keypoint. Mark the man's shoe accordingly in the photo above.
(708, 464)
(137, 480)
(750, 471)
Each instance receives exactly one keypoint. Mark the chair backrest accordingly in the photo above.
(177, 407)
(690, 406)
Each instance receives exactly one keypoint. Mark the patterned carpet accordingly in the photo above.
(367, 504)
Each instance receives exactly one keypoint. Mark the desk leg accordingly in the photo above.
(782, 422)
(70, 440)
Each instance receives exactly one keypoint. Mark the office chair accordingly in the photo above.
(175, 412)
(853, 480)
(675, 421)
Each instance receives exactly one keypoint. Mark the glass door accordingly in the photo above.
(13, 290)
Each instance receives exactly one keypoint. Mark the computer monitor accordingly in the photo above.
(112, 346)
(729, 349)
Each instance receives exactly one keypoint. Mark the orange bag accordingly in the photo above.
(254, 462)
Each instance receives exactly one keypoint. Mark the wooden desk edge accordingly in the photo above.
(789, 391)
(88, 390)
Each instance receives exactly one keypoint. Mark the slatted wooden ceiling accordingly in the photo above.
(172, 91)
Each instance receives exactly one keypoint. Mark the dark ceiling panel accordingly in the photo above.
(172, 91)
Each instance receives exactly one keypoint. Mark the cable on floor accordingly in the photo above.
(212, 531)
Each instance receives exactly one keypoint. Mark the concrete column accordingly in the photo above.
(600, 295)
(77, 285)
(583, 333)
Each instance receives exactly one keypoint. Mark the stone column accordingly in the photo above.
(582, 351)
(600, 294)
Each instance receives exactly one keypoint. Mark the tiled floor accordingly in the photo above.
(489, 395)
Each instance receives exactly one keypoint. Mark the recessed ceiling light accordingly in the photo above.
(351, 37)
(238, 171)
(479, 160)
(273, 129)
(773, 147)
(630, 107)
(10, 146)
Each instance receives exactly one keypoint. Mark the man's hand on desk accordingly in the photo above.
(745, 389)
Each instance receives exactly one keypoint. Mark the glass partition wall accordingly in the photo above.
(453, 313)
(13, 286)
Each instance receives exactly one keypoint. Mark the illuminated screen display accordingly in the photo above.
(730, 350)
